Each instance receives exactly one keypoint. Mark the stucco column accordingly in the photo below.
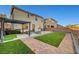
(22, 28)
(29, 29)
(36, 26)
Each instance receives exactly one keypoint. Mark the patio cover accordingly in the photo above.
(6, 20)
(13, 21)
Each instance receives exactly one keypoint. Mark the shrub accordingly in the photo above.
(7, 31)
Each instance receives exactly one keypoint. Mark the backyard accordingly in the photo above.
(53, 38)
(15, 47)
(18, 47)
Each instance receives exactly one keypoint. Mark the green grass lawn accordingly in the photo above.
(54, 38)
(9, 37)
(14, 47)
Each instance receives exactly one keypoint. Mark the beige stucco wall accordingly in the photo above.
(20, 15)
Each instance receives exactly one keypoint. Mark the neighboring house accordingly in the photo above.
(3, 15)
(19, 14)
(6, 25)
(50, 23)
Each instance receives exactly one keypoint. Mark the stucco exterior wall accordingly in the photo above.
(20, 15)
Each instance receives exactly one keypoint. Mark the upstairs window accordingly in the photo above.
(28, 15)
(36, 18)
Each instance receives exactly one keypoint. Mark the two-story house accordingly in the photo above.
(19, 14)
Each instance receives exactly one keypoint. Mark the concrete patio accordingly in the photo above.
(20, 36)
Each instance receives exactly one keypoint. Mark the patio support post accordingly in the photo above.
(2, 30)
(22, 28)
(29, 29)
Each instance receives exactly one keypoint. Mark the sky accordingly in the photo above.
(64, 14)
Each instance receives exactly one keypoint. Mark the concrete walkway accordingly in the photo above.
(66, 46)
(21, 36)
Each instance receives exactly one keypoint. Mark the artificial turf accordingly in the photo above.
(15, 47)
(9, 37)
(53, 38)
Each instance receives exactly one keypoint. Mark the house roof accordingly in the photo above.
(51, 19)
(14, 7)
(60, 25)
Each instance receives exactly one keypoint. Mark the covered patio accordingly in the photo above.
(13, 21)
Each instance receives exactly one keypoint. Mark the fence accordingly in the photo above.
(59, 30)
(75, 37)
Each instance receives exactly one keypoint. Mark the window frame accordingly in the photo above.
(36, 19)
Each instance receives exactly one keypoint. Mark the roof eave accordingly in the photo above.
(23, 11)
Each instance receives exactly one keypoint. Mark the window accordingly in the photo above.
(25, 26)
(28, 15)
(36, 18)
